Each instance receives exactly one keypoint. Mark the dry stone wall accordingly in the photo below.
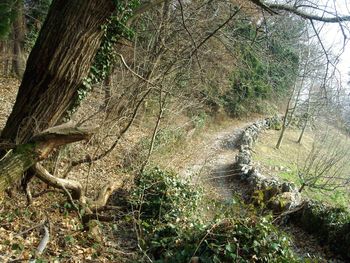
(331, 225)
(278, 195)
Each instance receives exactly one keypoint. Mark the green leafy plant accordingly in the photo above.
(172, 229)
(8, 14)
(267, 67)
(161, 196)
(37, 11)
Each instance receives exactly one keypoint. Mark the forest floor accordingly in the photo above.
(208, 158)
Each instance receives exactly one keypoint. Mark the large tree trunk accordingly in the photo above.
(60, 60)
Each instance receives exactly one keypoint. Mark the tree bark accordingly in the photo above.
(18, 35)
(21, 158)
(302, 188)
(304, 128)
(284, 124)
(4, 58)
(61, 58)
(307, 117)
(14, 164)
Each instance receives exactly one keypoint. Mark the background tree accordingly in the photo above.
(324, 167)
(12, 34)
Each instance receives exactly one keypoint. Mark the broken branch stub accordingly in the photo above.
(54, 137)
(23, 156)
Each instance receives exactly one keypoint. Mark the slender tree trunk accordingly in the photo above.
(18, 35)
(60, 60)
(303, 129)
(280, 139)
(307, 117)
(5, 57)
(302, 188)
(289, 113)
(284, 124)
(107, 87)
(2, 57)
(296, 101)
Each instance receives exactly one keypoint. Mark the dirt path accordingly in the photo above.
(212, 160)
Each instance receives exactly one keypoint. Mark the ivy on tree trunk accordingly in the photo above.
(61, 58)
(59, 61)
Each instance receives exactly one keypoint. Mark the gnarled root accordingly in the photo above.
(76, 190)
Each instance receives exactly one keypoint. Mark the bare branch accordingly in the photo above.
(295, 10)
(215, 31)
(145, 6)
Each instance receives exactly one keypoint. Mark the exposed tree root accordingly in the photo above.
(75, 190)
(73, 186)
(24, 156)
(103, 196)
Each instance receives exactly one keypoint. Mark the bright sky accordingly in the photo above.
(334, 38)
(331, 34)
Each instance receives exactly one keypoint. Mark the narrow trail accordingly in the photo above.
(215, 158)
(213, 161)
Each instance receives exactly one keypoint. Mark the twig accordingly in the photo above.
(45, 192)
(44, 241)
(305, 15)
(155, 130)
(289, 212)
(28, 194)
(30, 229)
(72, 201)
(202, 240)
(111, 148)
(8, 152)
(215, 31)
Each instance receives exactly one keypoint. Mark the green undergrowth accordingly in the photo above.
(174, 225)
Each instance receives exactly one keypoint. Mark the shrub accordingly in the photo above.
(238, 240)
(171, 231)
(162, 196)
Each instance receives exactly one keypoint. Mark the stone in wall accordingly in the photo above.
(279, 196)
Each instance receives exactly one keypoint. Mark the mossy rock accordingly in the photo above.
(284, 201)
